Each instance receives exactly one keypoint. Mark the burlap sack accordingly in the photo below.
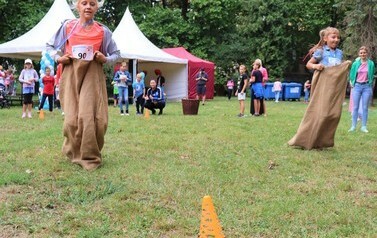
(318, 127)
(84, 100)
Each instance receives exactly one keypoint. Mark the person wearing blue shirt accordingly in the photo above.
(328, 56)
(139, 88)
(154, 98)
(123, 79)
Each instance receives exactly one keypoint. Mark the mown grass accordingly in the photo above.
(156, 172)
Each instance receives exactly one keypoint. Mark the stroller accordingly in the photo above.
(3, 97)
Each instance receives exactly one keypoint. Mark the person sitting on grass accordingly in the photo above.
(154, 98)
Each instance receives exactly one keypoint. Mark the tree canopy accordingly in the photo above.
(227, 32)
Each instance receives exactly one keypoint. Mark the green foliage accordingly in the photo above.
(360, 26)
(19, 17)
(165, 27)
(227, 32)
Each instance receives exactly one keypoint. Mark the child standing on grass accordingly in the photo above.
(123, 78)
(48, 89)
(9, 81)
(115, 93)
(28, 77)
(277, 89)
(318, 127)
(307, 90)
(230, 86)
(241, 89)
(139, 88)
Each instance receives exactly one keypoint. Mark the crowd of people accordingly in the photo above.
(7, 81)
(80, 87)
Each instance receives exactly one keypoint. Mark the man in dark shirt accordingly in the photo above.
(201, 80)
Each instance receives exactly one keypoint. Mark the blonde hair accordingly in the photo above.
(322, 36)
(364, 48)
(74, 3)
(259, 62)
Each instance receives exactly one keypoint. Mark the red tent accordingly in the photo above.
(194, 65)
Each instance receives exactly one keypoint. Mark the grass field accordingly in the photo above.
(156, 172)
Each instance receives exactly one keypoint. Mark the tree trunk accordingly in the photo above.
(184, 9)
(164, 3)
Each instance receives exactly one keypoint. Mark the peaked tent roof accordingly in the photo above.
(33, 42)
(184, 54)
(133, 44)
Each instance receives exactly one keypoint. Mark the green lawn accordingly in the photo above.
(156, 172)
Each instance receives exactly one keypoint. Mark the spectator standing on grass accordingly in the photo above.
(160, 80)
(48, 90)
(263, 109)
(361, 80)
(256, 83)
(28, 77)
(307, 90)
(86, 45)
(277, 87)
(115, 93)
(123, 78)
(241, 89)
(9, 81)
(139, 88)
(230, 87)
(201, 81)
(58, 77)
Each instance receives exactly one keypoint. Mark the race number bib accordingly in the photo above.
(334, 61)
(83, 52)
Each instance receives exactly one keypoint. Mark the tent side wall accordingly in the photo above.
(194, 68)
(175, 78)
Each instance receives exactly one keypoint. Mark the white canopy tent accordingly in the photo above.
(130, 40)
(133, 44)
(33, 42)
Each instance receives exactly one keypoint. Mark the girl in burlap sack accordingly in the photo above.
(85, 45)
(318, 127)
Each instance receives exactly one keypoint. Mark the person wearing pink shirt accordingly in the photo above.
(361, 80)
(277, 89)
(230, 86)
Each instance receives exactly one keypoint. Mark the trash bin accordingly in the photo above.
(268, 94)
(292, 91)
(190, 106)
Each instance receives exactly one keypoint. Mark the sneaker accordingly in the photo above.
(62, 113)
(23, 115)
(352, 129)
(364, 129)
(127, 114)
(241, 115)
